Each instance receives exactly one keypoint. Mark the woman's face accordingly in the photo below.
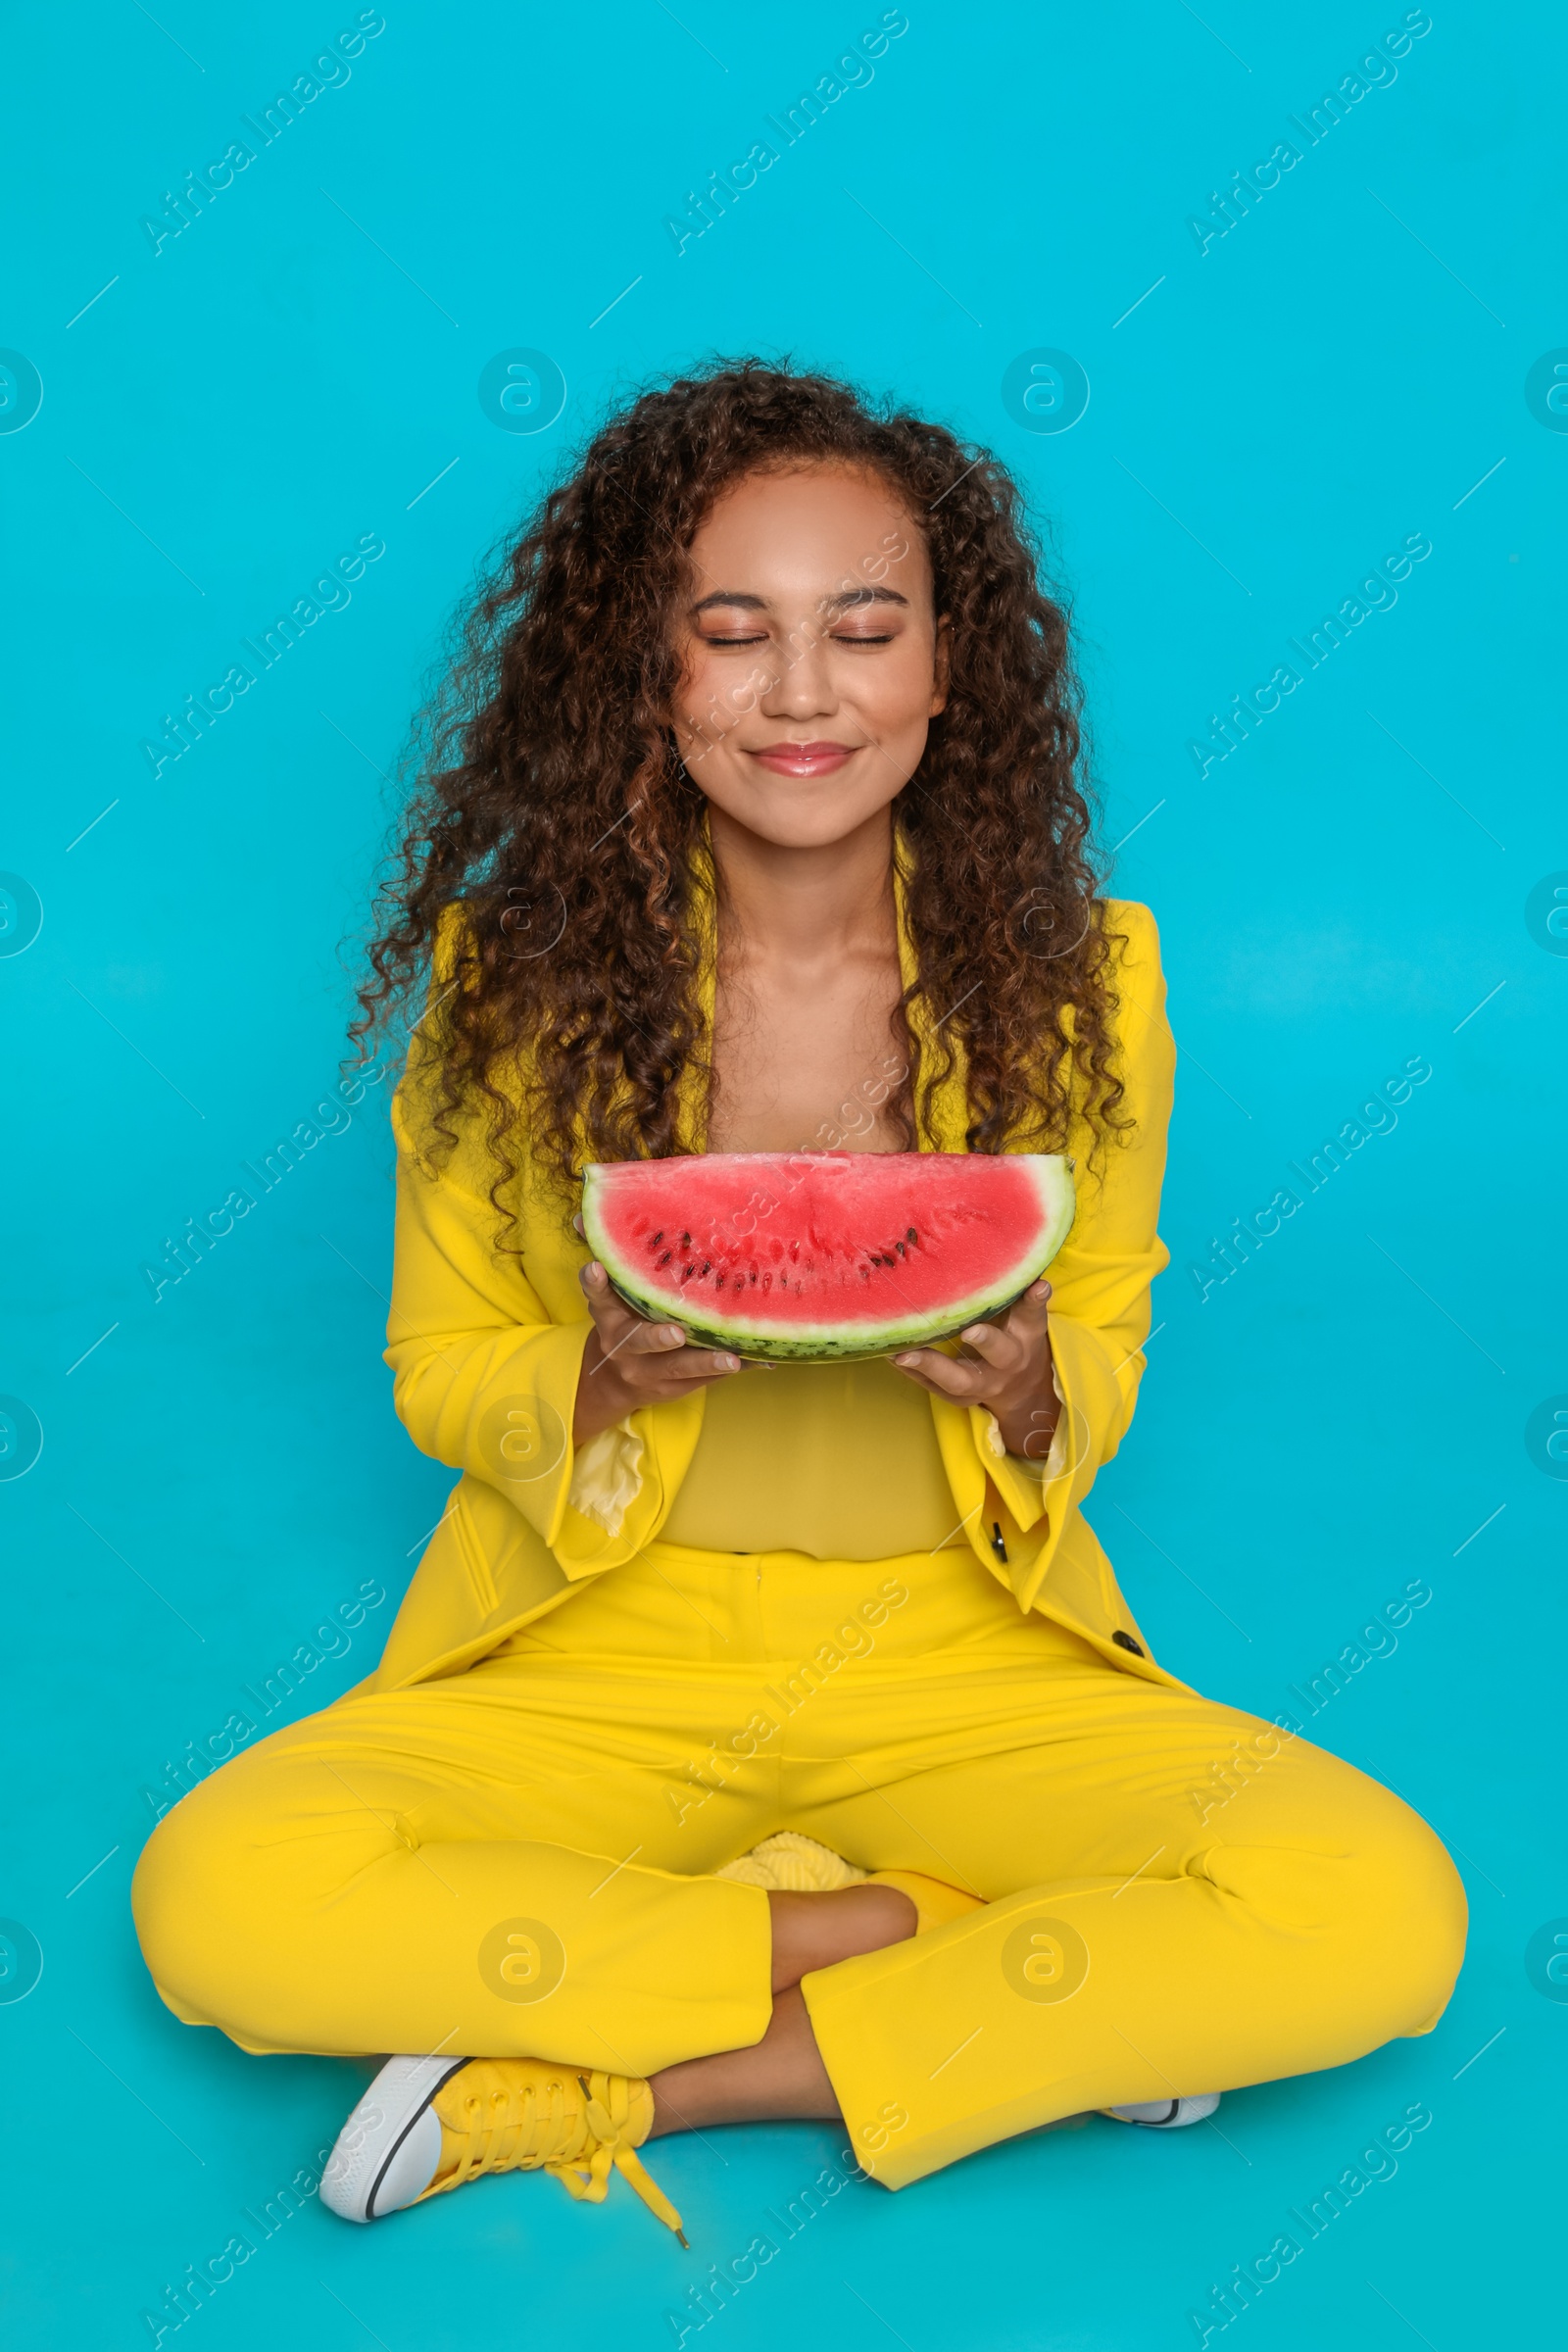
(812, 662)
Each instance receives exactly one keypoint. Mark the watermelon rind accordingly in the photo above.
(836, 1342)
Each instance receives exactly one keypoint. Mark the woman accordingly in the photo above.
(753, 826)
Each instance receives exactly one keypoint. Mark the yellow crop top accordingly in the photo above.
(839, 1461)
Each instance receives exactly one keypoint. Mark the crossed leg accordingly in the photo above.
(477, 1868)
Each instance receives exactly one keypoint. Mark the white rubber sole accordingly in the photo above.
(1167, 2115)
(387, 2152)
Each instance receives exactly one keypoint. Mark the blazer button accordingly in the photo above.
(1126, 1641)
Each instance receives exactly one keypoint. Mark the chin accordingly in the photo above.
(811, 825)
(821, 833)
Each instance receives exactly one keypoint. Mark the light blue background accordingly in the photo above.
(1340, 894)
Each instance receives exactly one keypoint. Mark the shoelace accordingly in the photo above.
(591, 2181)
(519, 2127)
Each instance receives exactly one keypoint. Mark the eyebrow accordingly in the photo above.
(847, 598)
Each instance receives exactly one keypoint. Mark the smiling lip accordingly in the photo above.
(804, 759)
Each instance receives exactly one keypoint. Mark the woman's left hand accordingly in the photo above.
(1007, 1368)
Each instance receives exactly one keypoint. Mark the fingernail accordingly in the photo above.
(902, 1360)
(729, 1364)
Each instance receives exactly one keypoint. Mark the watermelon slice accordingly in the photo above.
(791, 1256)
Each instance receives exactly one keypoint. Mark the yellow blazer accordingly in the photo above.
(485, 1349)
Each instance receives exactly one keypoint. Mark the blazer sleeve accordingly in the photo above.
(1100, 1307)
(484, 1378)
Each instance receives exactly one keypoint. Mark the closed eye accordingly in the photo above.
(859, 637)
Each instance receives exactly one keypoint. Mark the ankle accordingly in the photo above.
(814, 1931)
(779, 2078)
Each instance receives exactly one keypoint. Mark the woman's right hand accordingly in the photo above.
(629, 1361)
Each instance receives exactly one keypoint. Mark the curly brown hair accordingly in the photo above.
(554, 840)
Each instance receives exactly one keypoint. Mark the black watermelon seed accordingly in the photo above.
(911, 1235)
(654, 1244)
(685, 1241)
(706, 1267)
(669, 1255)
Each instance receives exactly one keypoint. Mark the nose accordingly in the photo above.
(800, 686)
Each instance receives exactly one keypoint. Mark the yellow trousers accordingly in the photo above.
(519, 1860)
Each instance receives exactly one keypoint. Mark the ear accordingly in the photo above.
(939, 666)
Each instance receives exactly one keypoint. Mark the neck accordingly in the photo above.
(803, 907)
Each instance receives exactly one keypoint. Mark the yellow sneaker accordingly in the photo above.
(1167, 2115)
(427, 2124)
(791, 1862)
(936, 1903)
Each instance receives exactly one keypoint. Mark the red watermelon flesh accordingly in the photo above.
(825, 1254)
